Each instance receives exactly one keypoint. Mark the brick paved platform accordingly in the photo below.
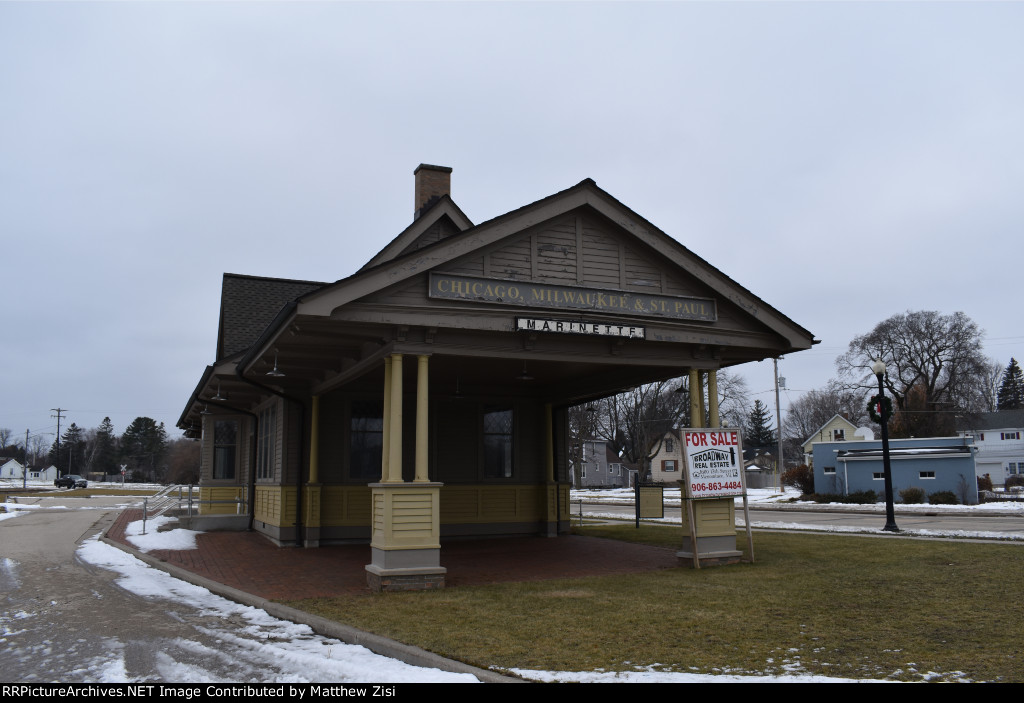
(240, 560)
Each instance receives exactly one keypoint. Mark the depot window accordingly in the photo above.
(366, 445)
(225, 439)
(266, 443)
(497, 441)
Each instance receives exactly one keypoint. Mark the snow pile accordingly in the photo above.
(178, 539)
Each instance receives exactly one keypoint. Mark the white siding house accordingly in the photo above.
(1000, 440)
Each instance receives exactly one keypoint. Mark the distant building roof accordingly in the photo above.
(992, 421)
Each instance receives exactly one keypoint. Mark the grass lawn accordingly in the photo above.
(856, 607)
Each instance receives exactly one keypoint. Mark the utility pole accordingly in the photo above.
(58, 416)
(24, 469)
(778, 427)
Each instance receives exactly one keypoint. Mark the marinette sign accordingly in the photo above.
(542, 295)
(600, 329)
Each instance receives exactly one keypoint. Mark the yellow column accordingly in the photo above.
(311, 492)
(395, 435)
(385, 453)
(314, 442)
(422, 427)
(549, 445)
(550, 495)
(703, 406)
(716, 421)
(695, 394)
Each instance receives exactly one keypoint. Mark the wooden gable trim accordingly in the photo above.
(483, 236)
(444, 207)
(364, 282)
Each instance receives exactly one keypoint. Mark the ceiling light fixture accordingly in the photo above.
(524, 376)
(274, 372)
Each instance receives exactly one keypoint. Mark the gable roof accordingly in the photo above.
(248, 304)
(586, 193)
(256, 311)
(443, 211)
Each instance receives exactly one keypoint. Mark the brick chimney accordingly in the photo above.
(432, 182)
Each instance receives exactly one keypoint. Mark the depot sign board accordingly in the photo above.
(554, 297)
(713, 463)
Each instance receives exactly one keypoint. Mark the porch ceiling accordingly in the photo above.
(320, 356)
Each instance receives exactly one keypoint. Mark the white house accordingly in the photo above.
(47, 474)
(837, 429)
(11, 469)
(667, 463)
(1000, 440)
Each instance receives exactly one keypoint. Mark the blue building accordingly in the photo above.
(931, 463)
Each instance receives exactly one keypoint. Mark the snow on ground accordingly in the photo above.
(762, 496)
(848, 529)
(262, 636)
(177, 538)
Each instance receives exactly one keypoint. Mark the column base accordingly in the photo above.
(410, 579)
(714, 551)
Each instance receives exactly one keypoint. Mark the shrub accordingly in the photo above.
(912, 495)
(862, 497)
(1015, 480)
(943, 498)
(985, 483)
(799, 477)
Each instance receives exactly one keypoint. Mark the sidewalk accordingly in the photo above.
(242, 561)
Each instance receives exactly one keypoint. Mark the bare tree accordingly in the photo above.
(934, 367)
(806, 415)
(182, 461)
(635, 422)
(37, 447)
(733, 398)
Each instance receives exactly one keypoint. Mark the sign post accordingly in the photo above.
(713, 469)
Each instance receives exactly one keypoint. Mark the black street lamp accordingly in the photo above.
(878, 368)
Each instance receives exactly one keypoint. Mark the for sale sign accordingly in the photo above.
(714, 463)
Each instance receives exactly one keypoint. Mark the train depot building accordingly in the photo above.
(425, 396)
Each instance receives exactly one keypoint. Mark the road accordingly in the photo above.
(65, 620)
(1003, 526)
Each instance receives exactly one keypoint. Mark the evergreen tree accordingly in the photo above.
(757, 431)
(104, 449)
(143, 446)
(71, 455)
(1011, 391)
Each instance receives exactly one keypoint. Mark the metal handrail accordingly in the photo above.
(163, 501)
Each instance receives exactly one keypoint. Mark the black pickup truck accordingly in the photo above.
(71, 481)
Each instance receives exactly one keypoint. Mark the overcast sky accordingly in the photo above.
(843, 161)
